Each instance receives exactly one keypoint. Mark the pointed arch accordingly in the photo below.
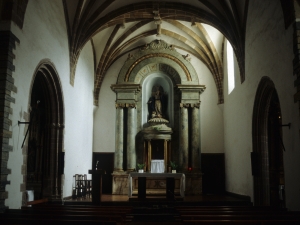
(45, 140)
(266, 130)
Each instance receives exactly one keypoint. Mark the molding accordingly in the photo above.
(191, 87)
(128, 87)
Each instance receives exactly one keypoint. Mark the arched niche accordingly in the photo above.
(157, 78)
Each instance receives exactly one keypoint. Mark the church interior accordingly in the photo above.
(194, 98)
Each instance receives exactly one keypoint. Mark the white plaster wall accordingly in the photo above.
(237, 134)
(211, 113)
(79, 105)
(105, 112)
(44, 37)
(269, 53)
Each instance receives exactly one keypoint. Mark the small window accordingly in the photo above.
(230, 67)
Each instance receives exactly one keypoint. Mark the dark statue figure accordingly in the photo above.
(157, 104)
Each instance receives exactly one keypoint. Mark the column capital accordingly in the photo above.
(184, 105)
(196, 105)
(131, 105)
(120, 105)
(125, 105)
(190, 105)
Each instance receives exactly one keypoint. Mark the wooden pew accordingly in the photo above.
(241, 222)
(236, 208)
(254, 215)
(51, 214)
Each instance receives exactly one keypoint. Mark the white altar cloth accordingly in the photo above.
(157, 175)
(157, 166)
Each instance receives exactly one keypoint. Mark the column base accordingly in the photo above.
(193, 183)
(119, 183)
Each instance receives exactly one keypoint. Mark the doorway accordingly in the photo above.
(268, 146)
(45, 134)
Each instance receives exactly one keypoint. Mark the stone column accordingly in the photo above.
(195, 139)
(118, 164)
(149, 155)
(166, 154)
(183, 138)
(131, 132)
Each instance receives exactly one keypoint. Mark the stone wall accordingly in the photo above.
(7, 43)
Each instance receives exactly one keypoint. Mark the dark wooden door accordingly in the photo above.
(213, 168)
(275, 150)
(106, 162)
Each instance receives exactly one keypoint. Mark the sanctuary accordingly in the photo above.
(157, 103)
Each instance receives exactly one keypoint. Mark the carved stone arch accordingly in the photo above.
(45, 133)
(166, 55)
(267, 158)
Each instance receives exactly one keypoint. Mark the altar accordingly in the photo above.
(157, 122)
(169, 178)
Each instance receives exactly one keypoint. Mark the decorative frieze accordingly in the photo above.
(157, 67)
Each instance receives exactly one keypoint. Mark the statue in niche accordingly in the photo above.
(157, 104)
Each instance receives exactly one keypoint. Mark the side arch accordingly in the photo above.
(45, 133)
(267, 162)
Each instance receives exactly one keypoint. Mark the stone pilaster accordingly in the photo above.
(195, 138)
(131, 132)
(184, 139)
(126, 96)
(7, 44)
(118, 164)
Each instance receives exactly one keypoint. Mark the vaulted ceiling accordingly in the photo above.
(116, 27)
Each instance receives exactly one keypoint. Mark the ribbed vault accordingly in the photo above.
(116, 29)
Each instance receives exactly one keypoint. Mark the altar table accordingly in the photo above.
(169, 187)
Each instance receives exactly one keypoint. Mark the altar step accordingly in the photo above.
(156, 192)
(158, 214)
